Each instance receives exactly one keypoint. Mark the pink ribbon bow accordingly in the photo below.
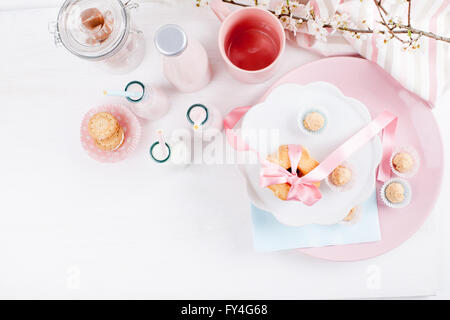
(302, 189)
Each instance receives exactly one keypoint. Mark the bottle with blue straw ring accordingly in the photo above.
(147, 102)
(205, 121)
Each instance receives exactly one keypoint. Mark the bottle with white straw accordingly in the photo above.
(147, 102)
(174, 152)
(204, 120)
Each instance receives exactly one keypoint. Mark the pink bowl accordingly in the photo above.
(130, 125)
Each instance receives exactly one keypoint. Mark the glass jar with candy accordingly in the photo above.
(100, 31)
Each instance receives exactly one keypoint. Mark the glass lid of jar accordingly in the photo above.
(92, 29)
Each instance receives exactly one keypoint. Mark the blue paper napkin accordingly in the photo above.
(271, 235)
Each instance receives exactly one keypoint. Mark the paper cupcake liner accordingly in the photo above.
(355, 219)
(303, 115)
(414, 155)
(346, 186)
(131, 128)
(408, 194)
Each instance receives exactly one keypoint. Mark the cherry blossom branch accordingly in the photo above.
(300, 19)
(256, 3)
(422, 33)
(409, 13)
(381, 7)
(392, 28)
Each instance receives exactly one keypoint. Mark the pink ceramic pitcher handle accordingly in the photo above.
(220, 9)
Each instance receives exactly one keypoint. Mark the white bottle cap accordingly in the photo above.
(170, 40)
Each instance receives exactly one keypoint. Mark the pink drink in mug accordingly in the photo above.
(251, 41)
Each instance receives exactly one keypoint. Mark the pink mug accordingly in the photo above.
(251, 41)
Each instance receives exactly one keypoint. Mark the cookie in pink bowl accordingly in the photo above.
(129, 124)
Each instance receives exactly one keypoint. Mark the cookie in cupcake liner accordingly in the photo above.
(346, 186)
(415, 157)
(112, 143)
(406, 192)
(308, 111)
(131, 129)
(103, 125)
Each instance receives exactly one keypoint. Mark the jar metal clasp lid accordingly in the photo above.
(53, 30)
(130, 5)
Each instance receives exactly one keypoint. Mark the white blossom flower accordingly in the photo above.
(339, 20)
(302, 11)
(383, 39)
(291, 25)
(414, 46)
(316, 28)
(379, 28)
(395, 20)
(359, 36)
(281, 8)
(293, 4)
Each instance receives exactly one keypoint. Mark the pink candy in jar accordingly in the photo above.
(185, 61)
(97, 25)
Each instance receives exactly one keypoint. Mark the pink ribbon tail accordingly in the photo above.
(384, 120)
(230, 121)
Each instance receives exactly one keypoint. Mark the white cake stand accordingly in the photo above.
(281, 112)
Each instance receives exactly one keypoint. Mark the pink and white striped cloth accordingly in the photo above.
(425, 72)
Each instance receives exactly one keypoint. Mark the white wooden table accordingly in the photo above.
(74, 228)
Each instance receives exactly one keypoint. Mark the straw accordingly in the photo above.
(162, 143)
(198, 122)
(128, 94)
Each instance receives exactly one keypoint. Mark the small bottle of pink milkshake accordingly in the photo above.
(148, 102)
(172, 153)
(185, 61)
(205, 121)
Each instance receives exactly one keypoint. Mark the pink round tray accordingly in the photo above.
(130, 125)
(367, 82)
